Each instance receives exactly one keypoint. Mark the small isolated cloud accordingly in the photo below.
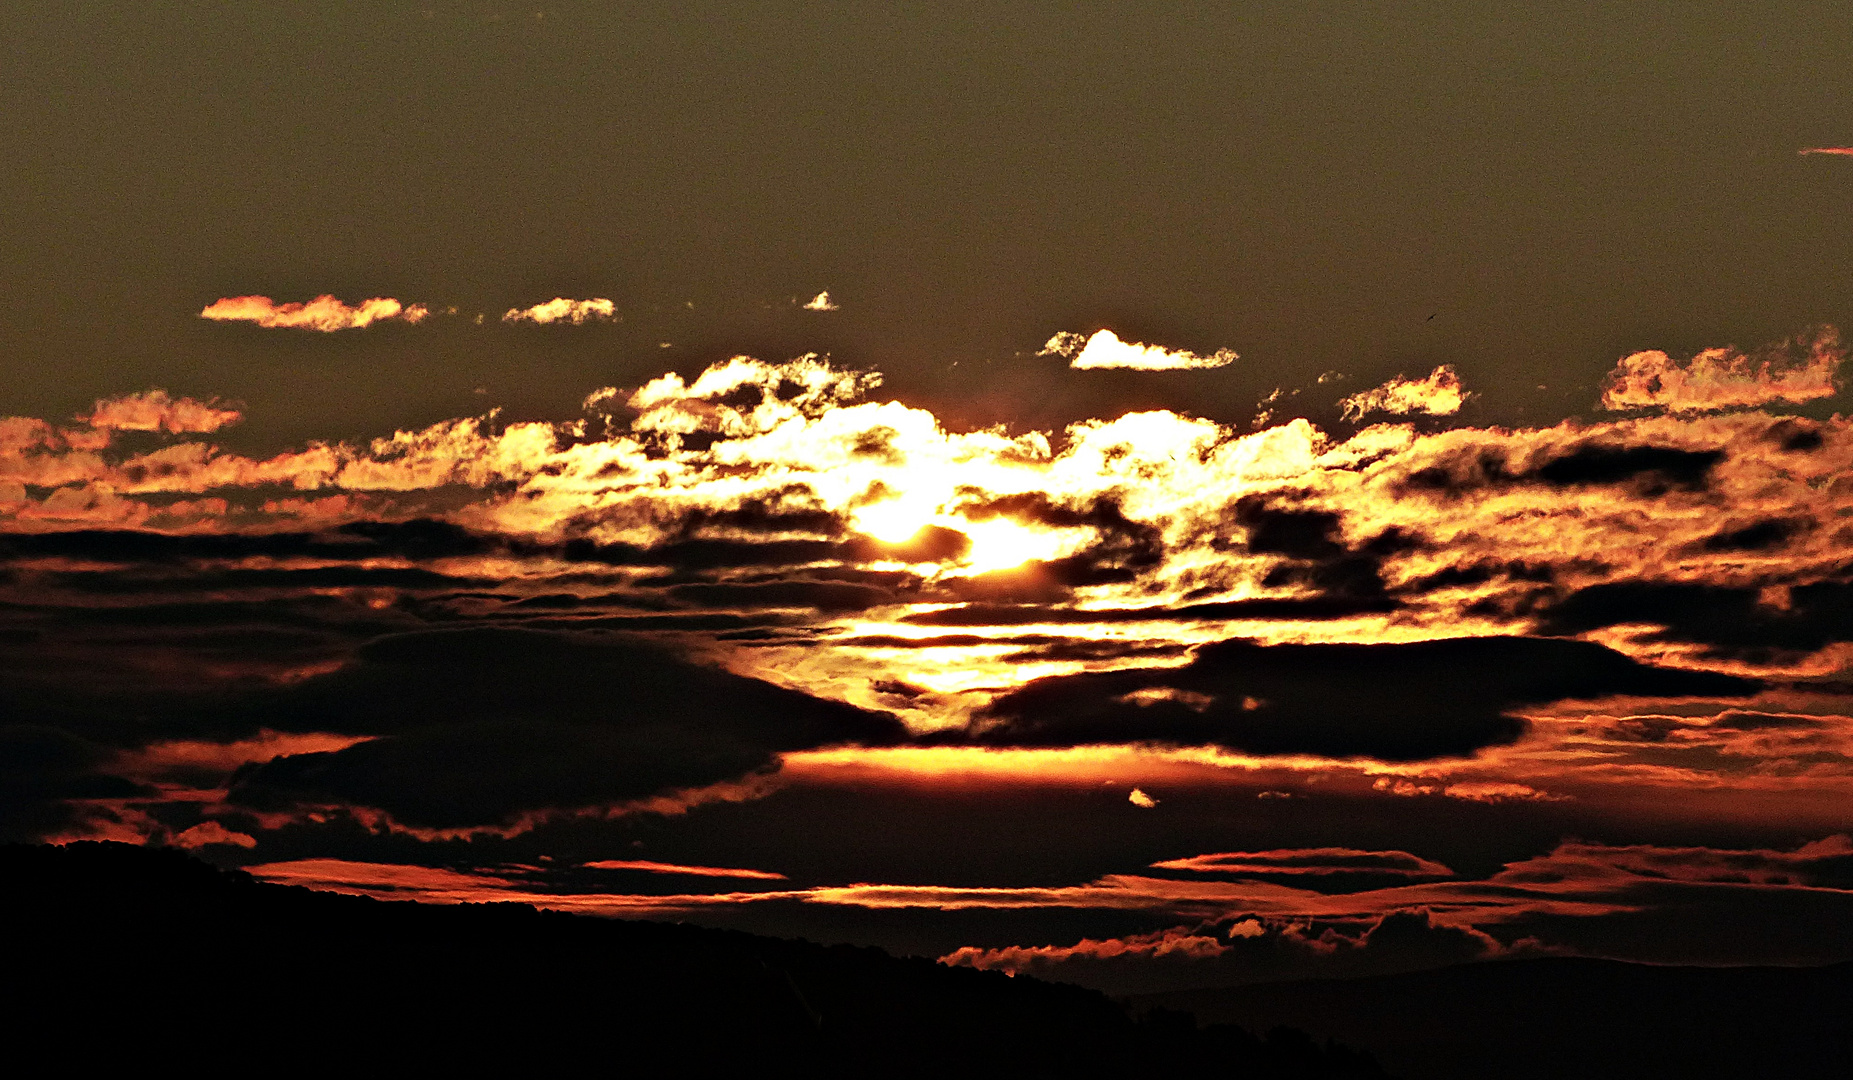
(1799, 370)
(821, 302)
(1843, 151)
(560, 309)
(1440, 394)
(155, 411)
(1106, 350)
(1140, 798)
(324, 313)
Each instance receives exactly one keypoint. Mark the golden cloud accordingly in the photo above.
(154, 410)
(1105, 350)
(560, 309)
(1799, 370)
(1439, 394)
(324, 313)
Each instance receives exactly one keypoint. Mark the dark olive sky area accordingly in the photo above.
(1525, 192)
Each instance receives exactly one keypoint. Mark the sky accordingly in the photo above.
(1154, 496)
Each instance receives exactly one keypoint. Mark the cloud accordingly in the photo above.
(154, 410)
(478, 727)
(1440, 394)
(820, 302)
(560, 309)
(1394, 702)
(1320, 861)
(785, 521)
(1106, 350)
(1802, 369)
(324, 313)
(649, 867)
(1844, 151)
(1141, 799)
(1243, 950)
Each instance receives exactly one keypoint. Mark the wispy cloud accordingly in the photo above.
(324, 313)
(1439, 394)
(821, 302)
(1310, 861)
(560, 309)
(650, 867)
(1106, 350)
(1802, 369)
(154, 410)
(1843, 151)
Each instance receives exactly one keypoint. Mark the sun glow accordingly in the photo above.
(997, 543)
(1000, 543)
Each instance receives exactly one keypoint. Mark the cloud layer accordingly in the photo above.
(759, 646)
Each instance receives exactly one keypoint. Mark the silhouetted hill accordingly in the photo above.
(123, 956)
(1565, 1017)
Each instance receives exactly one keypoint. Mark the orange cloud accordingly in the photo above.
(1843, 151)
(820, 302)
(1310, 861)
(1174, 943)
(1800, 370)
(211, 832)
(1106, 350)
(560, 309)
(676, 868)
(1439, 394)
(324, 313)
(154, 410)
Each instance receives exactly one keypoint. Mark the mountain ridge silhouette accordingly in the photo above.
(118, 955)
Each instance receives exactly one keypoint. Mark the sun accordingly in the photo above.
(997, 543)
(1001, 543)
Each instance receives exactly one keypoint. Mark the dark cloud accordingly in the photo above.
(41, 768)
(817, 595)
(1659, 466)
(1796, 436)
(419, 539)
(1398, 702)
(1651, 469)
(319, 577)
(1284, 607)
(1734, 621)
(480, 725)
(1762, 535)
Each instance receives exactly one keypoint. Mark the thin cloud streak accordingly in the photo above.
(1842, 151)
(650, 867)
(324, 313)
